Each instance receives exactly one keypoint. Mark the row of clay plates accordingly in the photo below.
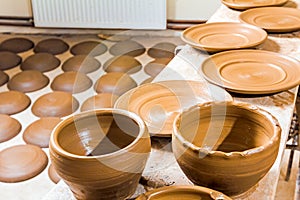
(242, 67)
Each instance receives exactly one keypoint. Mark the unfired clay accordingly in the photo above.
(228, 147)
(72, 82)
(100, 154)
(114, 82)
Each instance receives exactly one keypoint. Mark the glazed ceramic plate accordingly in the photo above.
(183, 193)
(158, 103)
(252, 71)
(246, 4)
(273, 19)
(218, 36)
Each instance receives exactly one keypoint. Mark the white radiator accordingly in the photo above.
(128, 14)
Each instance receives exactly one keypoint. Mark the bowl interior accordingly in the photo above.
(97, 133)
(226, 128)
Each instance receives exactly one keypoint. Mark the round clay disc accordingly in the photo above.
(148, 80)
(126, 64)
(16, 45)
(12, 102)
(38, 133)
(21, 162)
(154, 67)
(162, 50)
(9, 127)
(9, 60)
(42, 62)
(53, 46)
(127, 47)
(28, 81)
(114, 37)
(81, 63)
(3, 78)
(91, 48)
(55, 104)
(102, 100)
(73, 82)
(53, 174)
(114, 82)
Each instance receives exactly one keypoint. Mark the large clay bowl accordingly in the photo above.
(228, 147)
(187, 192)
(100, 154)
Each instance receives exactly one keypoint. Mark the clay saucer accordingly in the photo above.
(114, 82)
(55, 104)
(21, 162)
(9, 127)
(53, 46)
(148, 80)
(162, 50)
(127, 47)
(273, 19)
(3, 78)
(102, 100)
(72, 81)
(16, 45)
(9, 60)
(53, 174)
(81, 63)
(28, 81)
(38, 133)
(244, 5)
(159, 103)
(12, 102)
(154, 67)
(186, 192)
(218, 36)
(42, 62)
(126, 64)
(91, 48)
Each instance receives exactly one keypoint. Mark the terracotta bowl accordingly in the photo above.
(228, 147)
(100, 154)
(183, 193)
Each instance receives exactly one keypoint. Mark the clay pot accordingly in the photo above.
(228, 147)
(183, 193)
(100, 154)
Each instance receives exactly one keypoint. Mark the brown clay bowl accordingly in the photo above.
(100, 154)
(183, 193)
(228, 147)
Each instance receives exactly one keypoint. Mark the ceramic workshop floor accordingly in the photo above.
(38, 186)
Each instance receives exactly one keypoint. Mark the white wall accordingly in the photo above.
(176, 9)
(191, 9)
(15, 8)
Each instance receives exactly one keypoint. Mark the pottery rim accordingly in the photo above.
(256, 150)
(73, 118)
(188, 188)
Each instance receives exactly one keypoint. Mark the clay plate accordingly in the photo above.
(218, 36)
(21, 162)
(183, 193)
(273, 19)
(252, 71)
(246, 4)
(158, 103)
